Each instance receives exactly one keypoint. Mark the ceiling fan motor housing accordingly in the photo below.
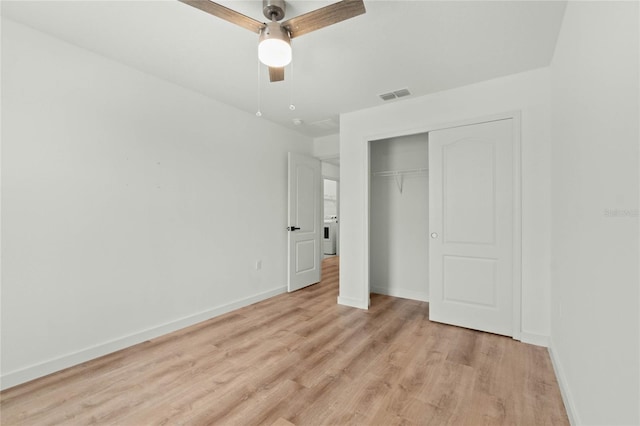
(273, 9)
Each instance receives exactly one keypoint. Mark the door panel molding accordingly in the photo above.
(471, 183)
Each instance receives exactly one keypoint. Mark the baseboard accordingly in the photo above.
(564, 388)
(32, 372)
(354, 303)
(534, 339)
(401, 292)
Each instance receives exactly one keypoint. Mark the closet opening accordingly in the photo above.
(399, 217)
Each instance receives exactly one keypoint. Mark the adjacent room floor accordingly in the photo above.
(302, 359)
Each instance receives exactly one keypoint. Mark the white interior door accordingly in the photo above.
(471, 226)
(305, 221)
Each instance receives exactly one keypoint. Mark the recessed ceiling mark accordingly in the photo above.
(327, 124)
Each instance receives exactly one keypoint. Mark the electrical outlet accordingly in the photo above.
(258, 265)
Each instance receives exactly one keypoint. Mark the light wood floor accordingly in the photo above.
(302, 359)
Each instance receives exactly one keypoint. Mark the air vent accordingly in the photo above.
(394, 95)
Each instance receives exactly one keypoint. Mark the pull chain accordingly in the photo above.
(259, 112)
(292, 106)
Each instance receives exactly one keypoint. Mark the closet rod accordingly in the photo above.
(400, 172)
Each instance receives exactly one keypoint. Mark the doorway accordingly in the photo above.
(330, 241)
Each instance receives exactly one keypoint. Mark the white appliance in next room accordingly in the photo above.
(329, 236)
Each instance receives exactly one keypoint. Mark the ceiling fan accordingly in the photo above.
(274, 46)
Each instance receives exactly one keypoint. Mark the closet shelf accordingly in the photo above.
(400, 174)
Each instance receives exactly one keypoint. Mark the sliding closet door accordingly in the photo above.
(471, 189)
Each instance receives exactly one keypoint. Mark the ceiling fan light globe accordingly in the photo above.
(274, 52)
(274, 46)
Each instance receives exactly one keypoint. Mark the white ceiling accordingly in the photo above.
(425, 46)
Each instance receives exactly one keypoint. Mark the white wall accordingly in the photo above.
(330, 191)
(399, 246)
(330, 171)
(131, 206)
(326, 147)
(527, 92)
(595, 182)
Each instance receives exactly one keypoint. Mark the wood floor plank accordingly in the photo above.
(300, 359)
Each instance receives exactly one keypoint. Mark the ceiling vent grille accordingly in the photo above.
(395, 94)
(402, 92)
(387, 96)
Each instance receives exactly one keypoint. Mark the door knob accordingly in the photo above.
(292, 228)
(434, 235)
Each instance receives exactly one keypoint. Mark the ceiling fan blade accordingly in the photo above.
(324, 17)
(227, 14)
(276, 74)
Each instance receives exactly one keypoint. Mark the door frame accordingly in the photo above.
(516, 202)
